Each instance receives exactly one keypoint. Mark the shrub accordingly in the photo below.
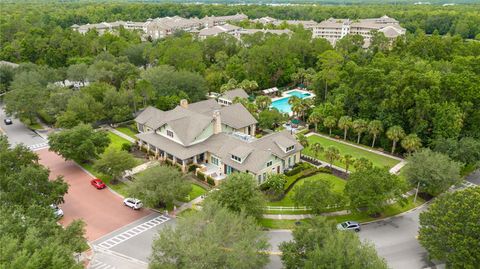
(127, 147)
(298, 167)
(192, 167)
(210, 181)
(324, 170)
(201, 176)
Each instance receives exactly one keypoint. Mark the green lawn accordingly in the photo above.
(126, 131)
(338, 186)
(376, 159)
(116, 141)
(196, 191)
(391, 210)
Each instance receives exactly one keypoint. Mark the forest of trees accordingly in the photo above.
(426, 82)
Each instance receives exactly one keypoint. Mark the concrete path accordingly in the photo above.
(140, 168)
(356, 146)
(122, 135)
(396, 169)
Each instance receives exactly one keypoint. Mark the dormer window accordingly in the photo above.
(237, 159)
(269, 163)
(290, 148)
(169, 133)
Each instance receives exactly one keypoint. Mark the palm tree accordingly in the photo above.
(263, 102)
(395, 133)
(332, 154)
(317, 148)
(230, 85)
(347, 159)
(305, 105)
(315, 118)
(362, 163)
(248, 85)
(240, 100)
(344, 123)
(359, 127)
(375, 127)
(411, 143)
(330, 122)
(302, 140)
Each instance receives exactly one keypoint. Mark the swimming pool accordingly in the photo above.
(282, 104)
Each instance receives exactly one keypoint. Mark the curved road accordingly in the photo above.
(394, 239)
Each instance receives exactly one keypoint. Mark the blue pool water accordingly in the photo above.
(282, 104)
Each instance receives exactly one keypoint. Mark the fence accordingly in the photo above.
(287, 208)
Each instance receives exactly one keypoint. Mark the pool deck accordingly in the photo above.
(286, 94)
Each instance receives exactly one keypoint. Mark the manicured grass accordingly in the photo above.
(119, 187)
(116, 141)
(126, 131)
(338, 186)
(196, 191)
(390, 211)
(376, 159)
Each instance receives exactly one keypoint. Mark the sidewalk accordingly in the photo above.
(122, 135)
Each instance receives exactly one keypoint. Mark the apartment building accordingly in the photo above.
(335, 29)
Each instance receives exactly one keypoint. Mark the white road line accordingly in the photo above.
(132, 232)
(100, 265)
(38, 146)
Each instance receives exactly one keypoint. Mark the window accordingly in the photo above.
(236, 158)
(214, 160)
(259, 179)
(169, 133)
(269, 163)
(290, 148)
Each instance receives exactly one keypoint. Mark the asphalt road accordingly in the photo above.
(18, 133)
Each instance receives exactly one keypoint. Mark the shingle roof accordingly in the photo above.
(271, 143)
(237, 116)
(230, 95)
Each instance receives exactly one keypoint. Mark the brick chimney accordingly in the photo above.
(184, 103)
(217, 125)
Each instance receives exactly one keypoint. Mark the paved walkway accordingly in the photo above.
(140, 168)
(122, 135)
(396, 169)
(304, 216)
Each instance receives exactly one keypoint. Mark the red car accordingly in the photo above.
(97, 183)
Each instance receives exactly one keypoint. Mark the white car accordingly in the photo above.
(57, 211)
(133, 203)
(349, 226)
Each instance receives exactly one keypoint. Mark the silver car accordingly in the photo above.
(133, 203)
(349, 226)
(57, 211)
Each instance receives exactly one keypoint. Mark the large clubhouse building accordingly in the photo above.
(217, 137)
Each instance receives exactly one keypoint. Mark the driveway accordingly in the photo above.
(18, 133)
(101, 210)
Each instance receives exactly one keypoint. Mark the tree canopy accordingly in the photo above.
(214, 237)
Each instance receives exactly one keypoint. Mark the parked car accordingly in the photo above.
(133, 203)
(8, 121)
(57, 211)
(349, 226)
(97, 183)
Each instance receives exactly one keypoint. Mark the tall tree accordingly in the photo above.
(240, 193)
(317, 148)
(345, 123)
(213, 237)
(362, 163)
(114, 162)
(449, 229)
(263, 102)
(318, 244)
(395, 133)
(332, 154)
(448, 121)
(330, 122)
(81, 143)
(434, 172)
(372, 188)
(330, 62)
(317, 195)
(375, 127)
(411, 143)
(359, 127)
(348, 160)
(159, 186)
(303, 140)
(315, 118)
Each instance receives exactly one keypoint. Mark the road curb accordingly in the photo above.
(398, 215)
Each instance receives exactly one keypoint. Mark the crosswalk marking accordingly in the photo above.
(100, 265)
(110, 243)
(38, 146)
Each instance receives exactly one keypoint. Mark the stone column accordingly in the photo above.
(195, 159)
(184, 166)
